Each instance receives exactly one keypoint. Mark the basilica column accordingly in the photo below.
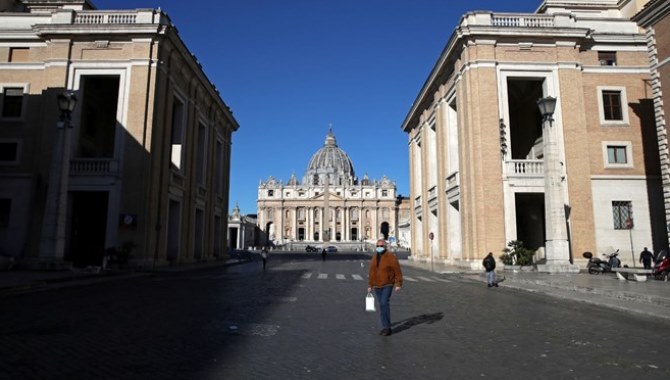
(345, 223)
(294, 227)
(308, 221)
(321, 221)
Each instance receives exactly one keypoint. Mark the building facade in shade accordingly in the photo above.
(329, 204)
(487, 167)
(143, 159)
(655, 18)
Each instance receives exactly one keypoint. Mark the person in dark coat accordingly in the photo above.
(264, 257)
(489, 264)
(646, 258)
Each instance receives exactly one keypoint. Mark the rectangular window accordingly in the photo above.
(12, 102)
(607, 58)
(201, 155)
(622, 214)
(9, 152)
(5, 208)
(617, 155)
(612, 105)
(385, 193)
(177, 133)
(271, 193)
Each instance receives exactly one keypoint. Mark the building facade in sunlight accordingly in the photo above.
(329, 204)
(140, 167)
(655, 18)
(488, 167)
(243, 231)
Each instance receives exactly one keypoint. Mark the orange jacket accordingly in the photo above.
(387, 273)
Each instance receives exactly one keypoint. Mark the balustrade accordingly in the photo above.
(105, 18)
(514, 21)
(94, 167)
(525, 168)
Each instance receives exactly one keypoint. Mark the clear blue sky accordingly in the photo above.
(289, 68)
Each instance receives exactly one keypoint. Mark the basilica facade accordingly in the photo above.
(329, 204)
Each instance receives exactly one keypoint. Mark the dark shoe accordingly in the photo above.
(385, 332)
(496, 284)
(489, 285)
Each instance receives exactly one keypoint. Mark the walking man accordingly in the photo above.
(646, 257)
(384, 276)
(264, 257)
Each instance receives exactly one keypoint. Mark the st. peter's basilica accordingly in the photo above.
(357, 209)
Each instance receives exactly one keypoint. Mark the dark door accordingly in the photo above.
(89, 226)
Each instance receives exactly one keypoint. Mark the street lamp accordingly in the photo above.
(557, 251)
(547, 107)
(52, 242)
(67, 100)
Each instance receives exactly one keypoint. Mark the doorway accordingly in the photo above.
(88, 229)
(530, 227)
(385, 230)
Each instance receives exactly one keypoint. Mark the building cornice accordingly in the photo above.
(652, 13)
(492, 28)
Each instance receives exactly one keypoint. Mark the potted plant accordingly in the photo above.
(516, 254)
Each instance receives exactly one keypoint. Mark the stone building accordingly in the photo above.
(142, 162)
(243, 232)
(487, 167)
(329, 204)
(655, 18)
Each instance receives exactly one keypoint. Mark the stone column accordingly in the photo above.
(345, 224)
(556, 246)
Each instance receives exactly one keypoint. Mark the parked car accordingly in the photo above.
(331, 248)
(311, 248)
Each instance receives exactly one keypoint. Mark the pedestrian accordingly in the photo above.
(384, 276)
(489, 264)
(323, 254)
(264, 257)
(646, 257)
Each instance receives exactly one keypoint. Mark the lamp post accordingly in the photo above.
(52, 242)
(557, 251)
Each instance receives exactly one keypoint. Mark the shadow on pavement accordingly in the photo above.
(418, 320)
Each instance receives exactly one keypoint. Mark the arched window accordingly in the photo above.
(354, 214)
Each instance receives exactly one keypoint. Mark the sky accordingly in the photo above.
(289, 69)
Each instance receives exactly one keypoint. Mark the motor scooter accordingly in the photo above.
(598, 266)
(661, 269)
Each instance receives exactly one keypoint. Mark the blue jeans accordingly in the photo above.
(384, 299)
(491, 277)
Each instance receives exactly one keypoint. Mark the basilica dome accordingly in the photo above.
(329, 162)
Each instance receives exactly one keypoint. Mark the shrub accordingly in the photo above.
(517, 254)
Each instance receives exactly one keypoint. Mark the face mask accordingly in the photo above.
(379, 249)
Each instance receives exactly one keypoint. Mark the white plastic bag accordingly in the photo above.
(370, 303)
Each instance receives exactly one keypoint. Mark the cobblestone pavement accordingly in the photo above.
(305, 319)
